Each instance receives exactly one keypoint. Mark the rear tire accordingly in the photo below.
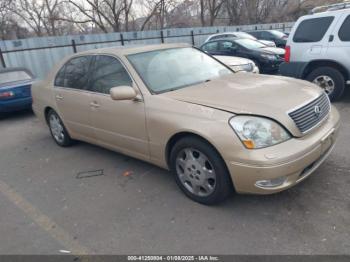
(199, 171)
(58, 131)
(330, 80)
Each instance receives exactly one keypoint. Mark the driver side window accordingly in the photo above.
(108, 72)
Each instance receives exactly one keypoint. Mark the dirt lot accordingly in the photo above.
(45, 208)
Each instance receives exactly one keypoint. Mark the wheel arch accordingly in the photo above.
(325, 63)
(176, 137)
(46, 113)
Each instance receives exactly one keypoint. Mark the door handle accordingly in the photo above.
(59, 97)
(94, 105)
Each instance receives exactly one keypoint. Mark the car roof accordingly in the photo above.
(224, 38)
(325, 13)
(128, 50)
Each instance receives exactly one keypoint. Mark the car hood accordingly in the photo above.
(233, 60)
(269, 96)
(274, 50)
(268, 43)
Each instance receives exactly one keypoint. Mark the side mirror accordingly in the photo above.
(123, 93)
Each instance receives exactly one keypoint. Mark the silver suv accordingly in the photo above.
(318, 49)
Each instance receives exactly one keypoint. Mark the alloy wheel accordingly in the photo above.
(196, 172)
(56, 128)
(326, 83)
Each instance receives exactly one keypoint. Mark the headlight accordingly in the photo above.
(258, 132)
(247, 67)
(269, 57)
(237, 68)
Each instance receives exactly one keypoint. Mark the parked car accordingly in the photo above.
(177, 107)
(318, 50)
(15, 89)
(267, 59)
(239, 64)
(279, 38)
(239, 35)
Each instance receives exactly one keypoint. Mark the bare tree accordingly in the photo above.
(210, 8)
(157, 12)
(107, 15)
(234, 9)
(42, 17)
(127, 10)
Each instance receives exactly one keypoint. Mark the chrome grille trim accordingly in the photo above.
(305, 117)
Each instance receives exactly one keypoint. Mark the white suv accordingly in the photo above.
(318, 49)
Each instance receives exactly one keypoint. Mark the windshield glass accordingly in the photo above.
(278, 34)
(170, 69)
(13, 76)
(250, 44)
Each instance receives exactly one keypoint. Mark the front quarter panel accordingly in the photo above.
(167, 117)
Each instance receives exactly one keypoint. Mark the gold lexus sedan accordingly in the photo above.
(183, 110)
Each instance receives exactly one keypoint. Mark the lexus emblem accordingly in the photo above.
(317, 110)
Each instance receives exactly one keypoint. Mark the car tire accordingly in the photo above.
(199, 171)
(58, 131)
(329, 79)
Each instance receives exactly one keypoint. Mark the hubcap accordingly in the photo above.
(326, 83)
(56, 128)
(196, 172)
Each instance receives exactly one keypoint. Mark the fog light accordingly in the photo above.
(271, 183)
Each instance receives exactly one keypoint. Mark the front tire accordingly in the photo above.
(330, 80)
(200, 171)
(57, 129)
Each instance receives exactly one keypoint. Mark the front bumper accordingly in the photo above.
(270, 66)
(293, 160)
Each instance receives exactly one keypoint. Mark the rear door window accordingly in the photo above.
(266, 35)
(256, 34)
(344, 32)
(75, 73)
(108, 72)
(312, 30)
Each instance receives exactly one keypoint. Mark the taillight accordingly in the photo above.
(287, 54)
(6, 94)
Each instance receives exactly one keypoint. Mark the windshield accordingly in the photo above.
(170, 69)
(278, 34)
(250, 44)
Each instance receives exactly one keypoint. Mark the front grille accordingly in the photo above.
(310, 115)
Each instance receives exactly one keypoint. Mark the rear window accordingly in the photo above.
(13, 76)
(344, 32)
(312, 30)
